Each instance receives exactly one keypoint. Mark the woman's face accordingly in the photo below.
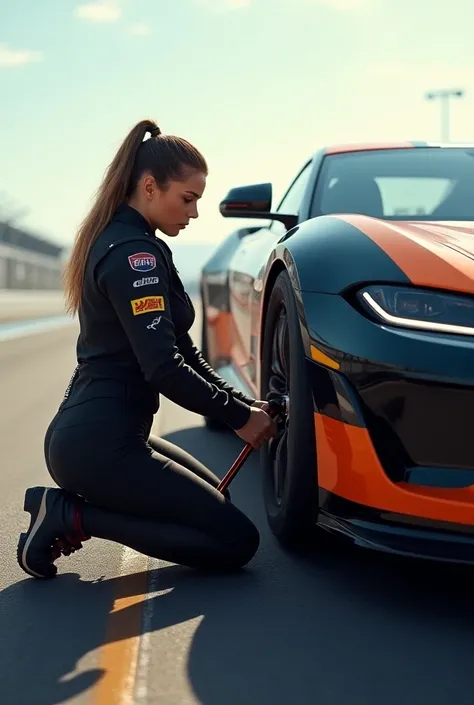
(170, 210)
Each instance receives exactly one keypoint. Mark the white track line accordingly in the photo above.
(34, 327)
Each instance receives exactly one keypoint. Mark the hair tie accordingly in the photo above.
(155, 131)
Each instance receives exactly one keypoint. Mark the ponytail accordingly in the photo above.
(110, 195)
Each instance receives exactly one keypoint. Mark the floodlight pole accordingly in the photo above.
(444, 96)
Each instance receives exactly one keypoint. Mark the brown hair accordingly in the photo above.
(165, 156)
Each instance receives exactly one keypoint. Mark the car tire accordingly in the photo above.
(291, 509)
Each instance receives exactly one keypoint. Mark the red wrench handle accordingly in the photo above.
(234, 468)
(241, 458)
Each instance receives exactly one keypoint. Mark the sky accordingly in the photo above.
(256, 85)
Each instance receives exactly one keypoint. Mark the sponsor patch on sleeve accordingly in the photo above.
(147, 304)
(142, 261)
(154, 323)
(145, 281)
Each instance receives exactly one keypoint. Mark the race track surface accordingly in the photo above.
(344, 628)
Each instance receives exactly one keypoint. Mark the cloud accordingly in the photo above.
(222, 5)
(99, 11)
(11, 58)
(108, 11)
(139, 29)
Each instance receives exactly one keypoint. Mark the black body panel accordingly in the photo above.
(328, 255)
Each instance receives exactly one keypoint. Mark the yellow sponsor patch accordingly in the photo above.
(147, 304)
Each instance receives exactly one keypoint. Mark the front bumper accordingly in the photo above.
(395, 533)
(392, 414)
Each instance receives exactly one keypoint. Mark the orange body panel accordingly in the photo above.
(223, 342)
(242, 362)
(219, 340)
(438, 255)
(349, 467)
(362, 147)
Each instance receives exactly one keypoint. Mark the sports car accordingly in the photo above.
(354, 303)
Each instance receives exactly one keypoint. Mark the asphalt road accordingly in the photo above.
(17, 305)
(344, 628)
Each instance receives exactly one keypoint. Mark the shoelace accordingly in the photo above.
(71, 542)
(65, 547)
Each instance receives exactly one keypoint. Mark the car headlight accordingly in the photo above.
(420, 308)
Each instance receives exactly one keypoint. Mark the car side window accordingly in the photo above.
(292, 200)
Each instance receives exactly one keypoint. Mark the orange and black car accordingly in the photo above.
(355, 304)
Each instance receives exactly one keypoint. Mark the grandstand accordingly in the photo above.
(28, 261)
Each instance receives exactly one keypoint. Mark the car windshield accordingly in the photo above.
(399, 184)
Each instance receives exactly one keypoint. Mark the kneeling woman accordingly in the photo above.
(116, 482)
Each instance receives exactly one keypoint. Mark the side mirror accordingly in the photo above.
(253, 201)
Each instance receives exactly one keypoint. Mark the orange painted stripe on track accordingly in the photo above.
(118, 657)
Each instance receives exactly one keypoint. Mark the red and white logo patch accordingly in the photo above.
(142, 262)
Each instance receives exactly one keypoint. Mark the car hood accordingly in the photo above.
(432, 254)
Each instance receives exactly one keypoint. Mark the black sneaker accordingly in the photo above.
(55, 529)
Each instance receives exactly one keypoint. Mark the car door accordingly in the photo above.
(245, 270)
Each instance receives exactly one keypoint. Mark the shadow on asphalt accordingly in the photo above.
(348, 627)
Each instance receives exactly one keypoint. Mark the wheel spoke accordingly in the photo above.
(279, 461)
(276, 364)
(280, 468)
(280, 356)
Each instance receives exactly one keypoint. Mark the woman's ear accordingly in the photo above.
(149, 186)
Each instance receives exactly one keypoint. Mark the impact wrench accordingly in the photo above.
(273, 412)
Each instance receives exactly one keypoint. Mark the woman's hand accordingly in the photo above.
(259, 428)
(262, 405)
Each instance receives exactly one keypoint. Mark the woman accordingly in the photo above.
(115, 481)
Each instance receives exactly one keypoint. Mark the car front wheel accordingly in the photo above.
(289, 460)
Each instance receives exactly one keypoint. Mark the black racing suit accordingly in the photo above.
(133, 346)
